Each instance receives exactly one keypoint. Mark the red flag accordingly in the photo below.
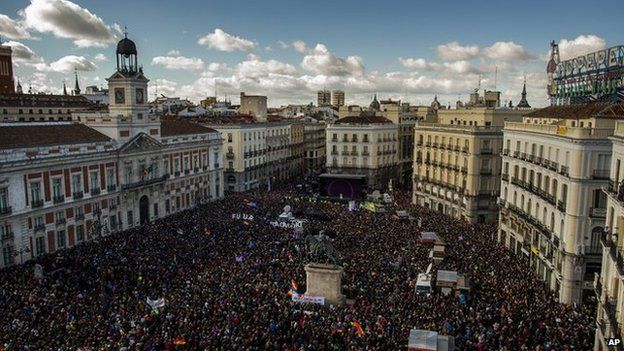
(179, 341)
(358, 328)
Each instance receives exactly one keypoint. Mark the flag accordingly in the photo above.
(144, 170)
(179, 341)
(293, 292)
(358, 327)
(207, 231)
(294, 285)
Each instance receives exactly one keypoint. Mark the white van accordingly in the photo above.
(423, 284)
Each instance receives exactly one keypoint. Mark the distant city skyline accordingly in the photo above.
(289, 52)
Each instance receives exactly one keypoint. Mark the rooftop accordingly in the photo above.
(20, 135)
(592, 110)
(171, 127)
(43, 100)
(363, 120)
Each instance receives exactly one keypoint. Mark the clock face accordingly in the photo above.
(119, 96)
(139, 96)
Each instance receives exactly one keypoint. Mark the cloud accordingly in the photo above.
(216, 66)
(268, 48)
(13, 29)
(163, 86)
(68, 64)
(453, 51)
(299, 46)
(508, 51)
(581, 45)
(22, 54)
(223, 41)
(419, 63)
(461, 66)
(174, 53)
(282, 44)
(254, 67)
(65, 19)
(178, 62)
(320, 60)
(100, 57)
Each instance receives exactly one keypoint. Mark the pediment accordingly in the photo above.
(141, 142)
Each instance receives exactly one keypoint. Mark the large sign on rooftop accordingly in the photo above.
(595, 76)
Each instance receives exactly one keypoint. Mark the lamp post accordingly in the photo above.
(21, 253)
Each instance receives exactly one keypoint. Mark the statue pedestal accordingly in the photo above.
(325, 280)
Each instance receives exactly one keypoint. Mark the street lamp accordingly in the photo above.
(21, 253)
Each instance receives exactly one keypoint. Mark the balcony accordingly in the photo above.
(354, 153)
(600, 174)
(597, 212)
(58, 199)
(523, 156)
(486, 151)
(39, 227)
(365, 153)
(334, 152)
(464, 170)
(553, 166)
(78, 195)
(176, 174)
(229, 155)
(465, 149)
(365, 140)
(187, 171)
(538, 160)
(516, 154)
(60, 221)
(36, 203)
(505, 152)
(111, 187)
(418, 143)
(95, 191)
(505, 176)
(565, 170)
(456, 148)
(485, 171)
(335, 140)
(6, 210)
(142, 183)
(8, 236)
(79, 216)
(561, 206)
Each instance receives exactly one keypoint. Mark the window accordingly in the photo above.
(35, 191)
(60, 239)
(186, 163)
(76, 183)
(166, 165)
(80, 235)
(4, 199)
(7, 255)
(176, 164)
(94, 180)
(229, 137)
(40, 246)
(110, 177)
(128, 174)
(59, 217)
(195, 161)
(57, 188)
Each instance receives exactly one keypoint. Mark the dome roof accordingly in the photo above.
(374, 105)
(126, 47)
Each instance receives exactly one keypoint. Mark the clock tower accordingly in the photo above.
(127, 89)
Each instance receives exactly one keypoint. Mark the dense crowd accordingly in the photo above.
(224, 283)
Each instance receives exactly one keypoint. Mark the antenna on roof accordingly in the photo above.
(495, 77)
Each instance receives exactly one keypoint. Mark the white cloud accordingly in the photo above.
(65, 19)
(453, 51)
(13, 29)
(419, 63)
(268, 48)
(461, 66)
(321, 61)
(23, 54)
(174, 53)
(163, 86)
(581, 45)
(299, 46)
(254, 67)
(223, 41)
(282, 44)
(100, 57)
(216, 66)
(68, 64)
(508, 51)
(178, 62)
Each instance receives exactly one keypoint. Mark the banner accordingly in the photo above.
(319, 300)
(352, 205)
(158, 303)
(292, 224)
(243, 216)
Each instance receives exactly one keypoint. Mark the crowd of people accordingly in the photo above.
(203, 279)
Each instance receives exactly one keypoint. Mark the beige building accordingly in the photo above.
(363, 145)
(609, 284)
(457, 163)
(40, 107)
(253, 105)
(338, 98)
(350, 110)
(256, 154)
(555, 164)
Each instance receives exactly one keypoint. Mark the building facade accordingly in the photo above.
(609, 284)
(7, 84)
(260, 154)
(253, 105)
(62, 183)
(323, 98)
(457, 162)
(314, 144)
(555, 164)
(364, 145)
(338, 98)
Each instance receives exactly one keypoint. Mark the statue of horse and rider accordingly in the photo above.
(321, 250)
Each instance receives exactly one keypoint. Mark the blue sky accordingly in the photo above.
(407, 50)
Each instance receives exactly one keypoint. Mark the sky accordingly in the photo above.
(287, 50)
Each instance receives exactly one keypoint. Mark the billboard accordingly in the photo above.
(597, 76)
